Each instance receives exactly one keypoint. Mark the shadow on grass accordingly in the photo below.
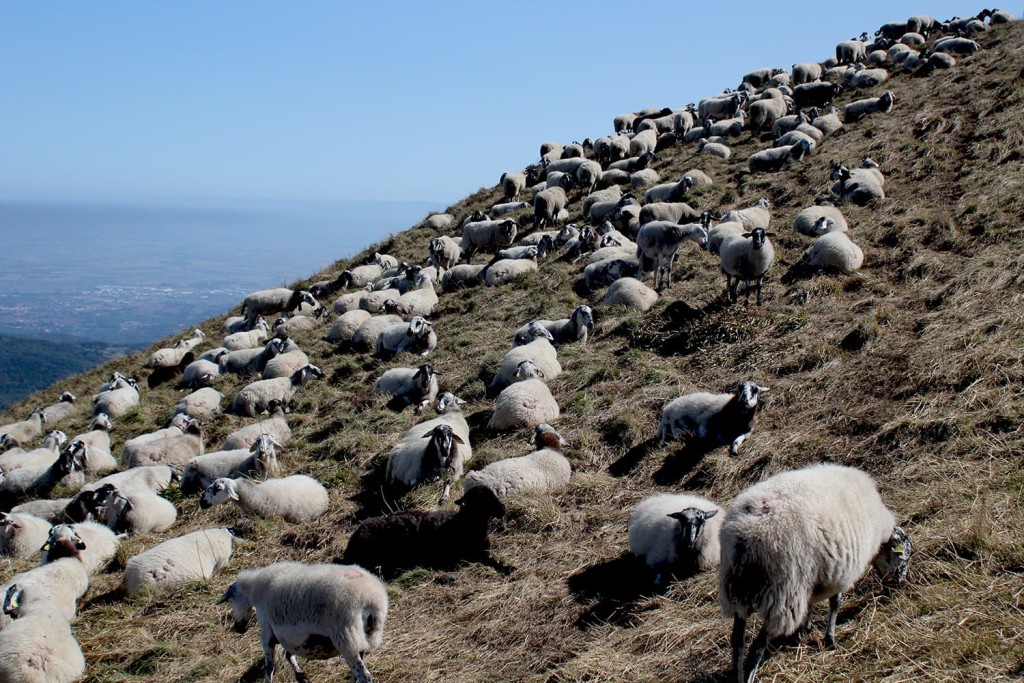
(254, 674)
(632, 458)
(612, 591)
(683, 462)
(374, 497)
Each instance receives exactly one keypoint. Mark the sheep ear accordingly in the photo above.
(745, 235)
(457, 438)
(233, 494)
(762, 389)
(769, 234)
(540, 373)
(228, 594)
(710, 513)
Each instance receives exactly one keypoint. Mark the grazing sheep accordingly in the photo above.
(37, 645)
(546, 206)
(256, 397)
(748, 257)
(346, 325)
(23, 432)
(713, 418)
(673, 212)
(93, 544)
(488, 236)
(808, 220)
(249, 339)
(415, 386)
(463, 275)
(872, 105)
(536, 346)
(659, 241)
(446, 450)
(573, 329)
(764, 113)
(775, 158)
(314, 611)
(675, 532)
(258, 460)
(507, 270)
(631, 293)
(22, 534)
(138, 512)
(543, 470)
(795, 539)
(251, 361)
(274, 301)
(587, 176)
(441, 539)
(806, 72)
(191, 557)
(527, 403)
(285, 364)
(851, 51)
(643, 142)
(416, 336)
(715, 149)
(203, 404)
(174, 450)
(834, 250)
(295, 499)
(439, 221)
(122, 397)
(60, 410)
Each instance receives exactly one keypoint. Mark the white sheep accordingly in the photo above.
(61, 582)
(430, 449)
(60, 410)
(21, 534)
(721, 232)
(439, 221)
(606, 272)
(574, 329)
(285, 364)
(248, 339)
(631, 293)
(18, 457)
(675, 532)
(659, 241)
(275, 426)
(860, 185)
(487, 236)
(259, 460)
(746, 257)
(254, 398)
(543, 470)
(416, 386)
(202, 372)
(807, 221)
(191, 557)
(118, 400)
(854, 111)
(295, 499)
(463, 275)
(444, 253)
(422, 299)
(174, 449)
(249, 361)
(365, 336)
(834, 250)
(548, 204)
(806, 72)
(644, 178)
(346, 325)
(50, 509)
(508, 270)
(798, 538)
(715, 149)
(775, 158)
(512, 184)
(274, 301)
(350, 301)
(138, 512)
(526, 403)
(93, 544)
(537, 348)
(172, 357)
(417, 336)
(38, 480)
(26, 430)
(37, 646)
(94, 459)
(203, 404)
(351, 606)
(714, 419)
(152, 477)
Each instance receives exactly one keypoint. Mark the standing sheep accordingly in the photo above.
(713, 418)
(487, 236)
(659, 241)
(444, 253)
(675, 532)
(295, 499)
(748, 257)
(798, 538)
(191, 557)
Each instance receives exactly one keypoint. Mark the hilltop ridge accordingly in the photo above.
(909, 369)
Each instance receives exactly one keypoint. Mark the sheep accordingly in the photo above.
(251, 361)
(274, 301)
(806, 72)
(546, 207)
(643, 142)
(50, 509)
(673, 212)
(715, 149)
(37, 646)
(349, 302)
(191, 557)
(534, 343)
(995, 16)
(543, 470)
(152, 477)
(285, 327)
(851, 51)
(314, 611)
(808, 220)
(857, 186)
(795, 539)
(867, 78)
(174, 450)
(575, 150)
(957, 46)
(249, 339)
(172, 357)
(714, 419)
(635, 163)
(659, 241)
(462, 275)
(235, 323)
(775, 158)
(524, 251)
(37, 481)
(644, 178)
(795, 136)
(939, 60)
(764, 113)
(487, 236)
(727, 128)
(748, 257)
(203, 404)
(95, 459)
(612, 178)
(600, 211)
(721, 107)
(61, 582)
(365, 336)
(60, 410)
(675, 532)
(21, 534)
(439, 539)
(512, 184)
(416, 386)
(256, 397)
(259, 459)
(346, 325)
(361, 276)
(285, 364)
(138, 512)
(416, 336)
(117, 401)
(413, 461)
(816, 94)
(295, 499)
(444, 253)
(616, 150)
(603, 273)
(631, 293)
(527, 403)
(854, 111)
(202, 372)
(275, 426)
(177, 425)
(574, 329)
(93, 544)
(834, 250)
(611, 194)
(669, 192)
(439, 221)
(17, 458)
(587, 176)
(756, 216)
(828, 122)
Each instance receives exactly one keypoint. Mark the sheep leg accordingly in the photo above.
(300, 675)
(757, 649)
(735, 447)
(360, 674)
(269, 643)
(739, 627)
(746, 292)
(833, 612)
(760, 281)
(446, 492)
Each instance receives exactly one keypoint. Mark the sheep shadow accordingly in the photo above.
(612, 591)
(632, 458)
(375, 498)
(254, 674)
(683, 462)
(798, 271)
(162, 376)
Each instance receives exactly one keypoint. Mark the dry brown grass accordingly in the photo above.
(910, 369)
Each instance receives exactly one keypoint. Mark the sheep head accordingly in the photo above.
(746, 394)
(448, 402)
(690, 533)
(893, 559)
(241, 608)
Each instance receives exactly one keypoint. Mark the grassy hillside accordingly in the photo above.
(910, 369)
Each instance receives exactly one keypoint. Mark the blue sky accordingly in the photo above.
(427, 101)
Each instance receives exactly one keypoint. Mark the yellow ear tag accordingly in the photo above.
(46, 547)
(899, 549)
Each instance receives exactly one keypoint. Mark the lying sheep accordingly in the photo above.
(543, 470)
(644, 178)
(439, 221)
(440, 539)
(249, 339)
(37, 481)
(756, 216)
(795, 539)
(138, 512)
(857, 186)
(274, 425)
(463, 275)
(506, 270)
(95, 459)
(872, 105)
(60, 410)
(631, 293)
(118, 400)
(957, 46)
(92, 544)
(673, 212)
(314, 611)
(285, 327)
(61, 582)
(202, 372)
(365, 336)
(764, 113)
(285, 364)
(659, 241)
(37, 646)
(527, 403)
(537, 346)
(256, 397)
(415, 386)
(249, 361)
(834, 250)
(444, 453)
(259, 460)
(349, 302)
(361, 276)
(23, 432)
(712, 418)
(192, 557)
(346, 325)
(775, 158)
(604, 273)
(422, 299)
(416, 336)
(675, 532)
(295, 499)
(571, 330)
(172, 357)
(808, 220)
(203, 404)
(21, 534)
(487, 236)
(174, 450)
(42, 457)
(715, 149)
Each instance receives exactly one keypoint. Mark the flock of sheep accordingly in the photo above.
(784, 543)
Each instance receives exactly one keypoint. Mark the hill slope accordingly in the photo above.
(909, 369)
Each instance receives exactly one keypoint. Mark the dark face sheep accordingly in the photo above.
(758, 237)
(443, 445)
(483, 502)
(63, 541)
(690, 534)
(747, 393)
(893, 559)
(448, 402)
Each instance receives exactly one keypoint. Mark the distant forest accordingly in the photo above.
(27, 364)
